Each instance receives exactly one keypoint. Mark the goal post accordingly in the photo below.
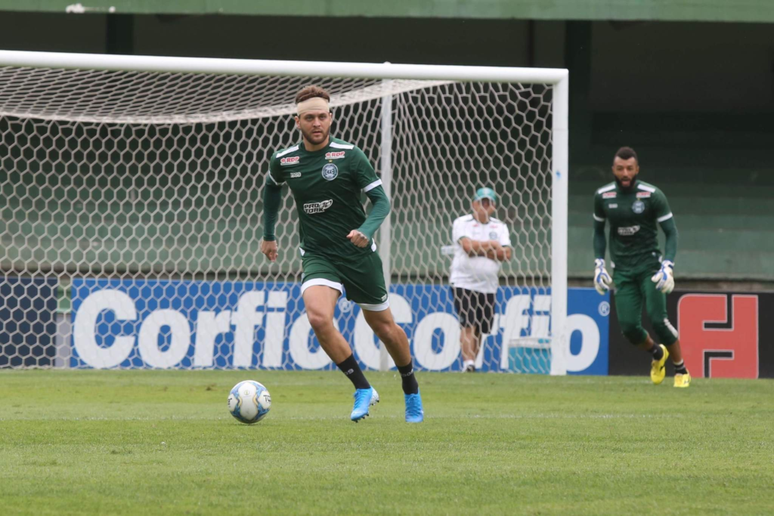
(560, 200)
(130, 218)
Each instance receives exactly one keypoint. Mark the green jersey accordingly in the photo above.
(634, 215)
(326, 185)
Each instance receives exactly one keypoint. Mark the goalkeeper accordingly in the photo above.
(635, 209)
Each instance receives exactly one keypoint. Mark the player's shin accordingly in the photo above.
(415, 413)
(677, 357)
(410, 385)
(351, 370)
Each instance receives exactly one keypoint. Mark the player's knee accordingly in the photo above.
(666, 333)
(633, 331)
(320, 323)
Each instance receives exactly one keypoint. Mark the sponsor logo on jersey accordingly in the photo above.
(609, 195)
(286, 162)
(493, 235)
(638, 207)
(611, 205)
(295, 174)
(628, 231)
(334, 155)
(641, 195)
(330, 171)
(311, 208)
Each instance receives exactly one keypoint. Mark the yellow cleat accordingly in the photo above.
(683, 381)
(658, 369)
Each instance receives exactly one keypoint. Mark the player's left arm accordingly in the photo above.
(505, 253)
(379, 212)
(602, 279)
(664, 278)
(366, 179)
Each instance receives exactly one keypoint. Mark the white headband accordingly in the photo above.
(313, 104)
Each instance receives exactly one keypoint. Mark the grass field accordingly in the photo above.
(162, 442)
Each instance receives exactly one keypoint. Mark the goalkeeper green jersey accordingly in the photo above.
(634, 215)
(326, 185)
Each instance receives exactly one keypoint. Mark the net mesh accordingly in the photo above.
(130, 218)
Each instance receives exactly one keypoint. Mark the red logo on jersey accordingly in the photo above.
(641, 195)
(716, 343)
(290, 161)
(608, 195)
(334, 155)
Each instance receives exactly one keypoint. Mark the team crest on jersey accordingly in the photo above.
(609, 195)
(311, 208)
(493, 235)
(286, 162)
(334, 155)
(643, 195)
(638, 207)
(330, 172)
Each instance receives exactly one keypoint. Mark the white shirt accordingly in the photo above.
(478, 273)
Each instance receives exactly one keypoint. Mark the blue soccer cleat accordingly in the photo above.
(414, 411)
(364, 398)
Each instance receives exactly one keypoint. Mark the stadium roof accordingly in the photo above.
(662, 10)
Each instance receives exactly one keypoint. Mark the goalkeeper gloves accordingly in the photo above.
(601, 277)
(664, 279)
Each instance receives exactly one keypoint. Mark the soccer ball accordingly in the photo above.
(249, 401)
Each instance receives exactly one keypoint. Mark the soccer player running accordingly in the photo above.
(635, 209)
(481, 243)
(326, 177)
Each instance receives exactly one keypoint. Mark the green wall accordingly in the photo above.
(663, 10)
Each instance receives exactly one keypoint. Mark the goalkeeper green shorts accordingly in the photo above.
(361, 276)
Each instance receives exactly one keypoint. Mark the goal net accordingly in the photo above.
(131, 209)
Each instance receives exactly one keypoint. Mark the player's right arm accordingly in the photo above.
(272, 198)
(602, 279)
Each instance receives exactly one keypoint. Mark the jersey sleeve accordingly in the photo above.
(459, 231)
(505, 236)
(661, 207)
(365, 175)
(275, 172)
(599, 208)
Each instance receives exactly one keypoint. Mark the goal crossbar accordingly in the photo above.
(285, 68)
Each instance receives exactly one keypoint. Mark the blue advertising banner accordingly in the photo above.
(588, 316)
(201, 324)
(27, 321)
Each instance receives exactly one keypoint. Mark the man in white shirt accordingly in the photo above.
(481, 243)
